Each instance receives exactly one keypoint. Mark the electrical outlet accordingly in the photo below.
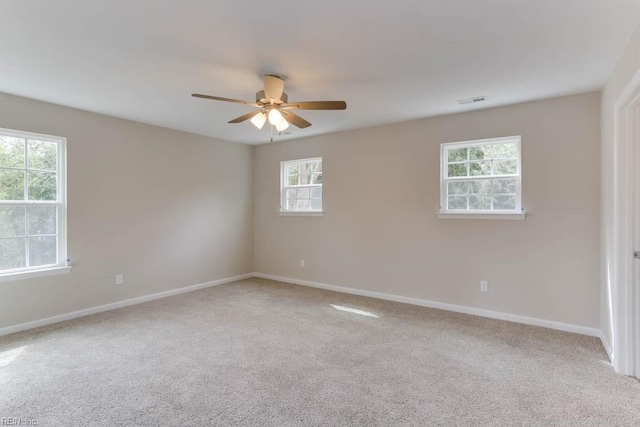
(119, 279)
(484, 286)
(302, 263)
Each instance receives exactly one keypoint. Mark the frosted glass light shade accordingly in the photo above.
(259, 119)
(275, 116)
(282, 125)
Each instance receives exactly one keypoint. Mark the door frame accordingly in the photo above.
(625, 297)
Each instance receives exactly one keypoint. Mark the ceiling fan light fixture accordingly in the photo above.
(275, 116)
(259, 119)
(273, 105)
(282, 125)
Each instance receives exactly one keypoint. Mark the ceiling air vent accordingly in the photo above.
(472, 100)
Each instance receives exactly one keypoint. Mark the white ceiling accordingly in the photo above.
(389, 60)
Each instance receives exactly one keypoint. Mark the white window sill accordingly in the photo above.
(301, 213)
(19, 275)
(480, 215)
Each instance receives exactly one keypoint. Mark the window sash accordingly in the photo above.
(445, 179)
(284, 184)
(302, 185)
(59, 203)
(480, 177)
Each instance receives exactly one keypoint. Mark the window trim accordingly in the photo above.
(60, 266)
(307, 212)
(478, 215)
(29, 274)
(443, 213)
(301, 213)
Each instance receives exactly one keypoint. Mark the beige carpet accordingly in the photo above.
(263, 353)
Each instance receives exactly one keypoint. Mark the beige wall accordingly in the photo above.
(167, 209)
(380, 231)
(170, 209)
(628, 65)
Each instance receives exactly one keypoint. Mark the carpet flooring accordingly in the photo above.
(263, 353)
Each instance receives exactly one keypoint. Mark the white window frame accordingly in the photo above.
(284, 187)
(444, 213)
(61, 203)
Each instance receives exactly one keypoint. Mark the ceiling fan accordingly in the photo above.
(275, 107)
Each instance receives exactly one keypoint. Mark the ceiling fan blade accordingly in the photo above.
(273, 87)
(295, 119)
(244, 117)
(316, 105)
(217, 98)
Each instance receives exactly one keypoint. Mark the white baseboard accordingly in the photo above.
(407, 300)
(443, 306)
(112, 306)
(607, 346)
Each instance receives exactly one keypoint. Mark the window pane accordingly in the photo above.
(316, 204)
(12, 221)
(292, 204)
(304, 179)
(42, 220)
(303, 193)
(457, 202)
(316, 192)
(303, 204)
(479, 202)
(292, 193)
(12, 253)
(457, 154)
(317, 166)
(11, 184)
(42, 185)
(504, 202)
(293, 180)
(482, 152)
(504, 186)
(458, 187)
(42, 250)
(458, 170)
(305, 167)
(479, 168)
(505, 151)
(480, 186)
(11, 152)
(316, 178)
(292, 169)
(42, 155)
(505, 167)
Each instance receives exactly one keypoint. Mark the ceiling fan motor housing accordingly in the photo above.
(262, 99)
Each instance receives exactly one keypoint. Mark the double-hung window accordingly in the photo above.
(32, 204)
(301, 186)
(481, 179)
